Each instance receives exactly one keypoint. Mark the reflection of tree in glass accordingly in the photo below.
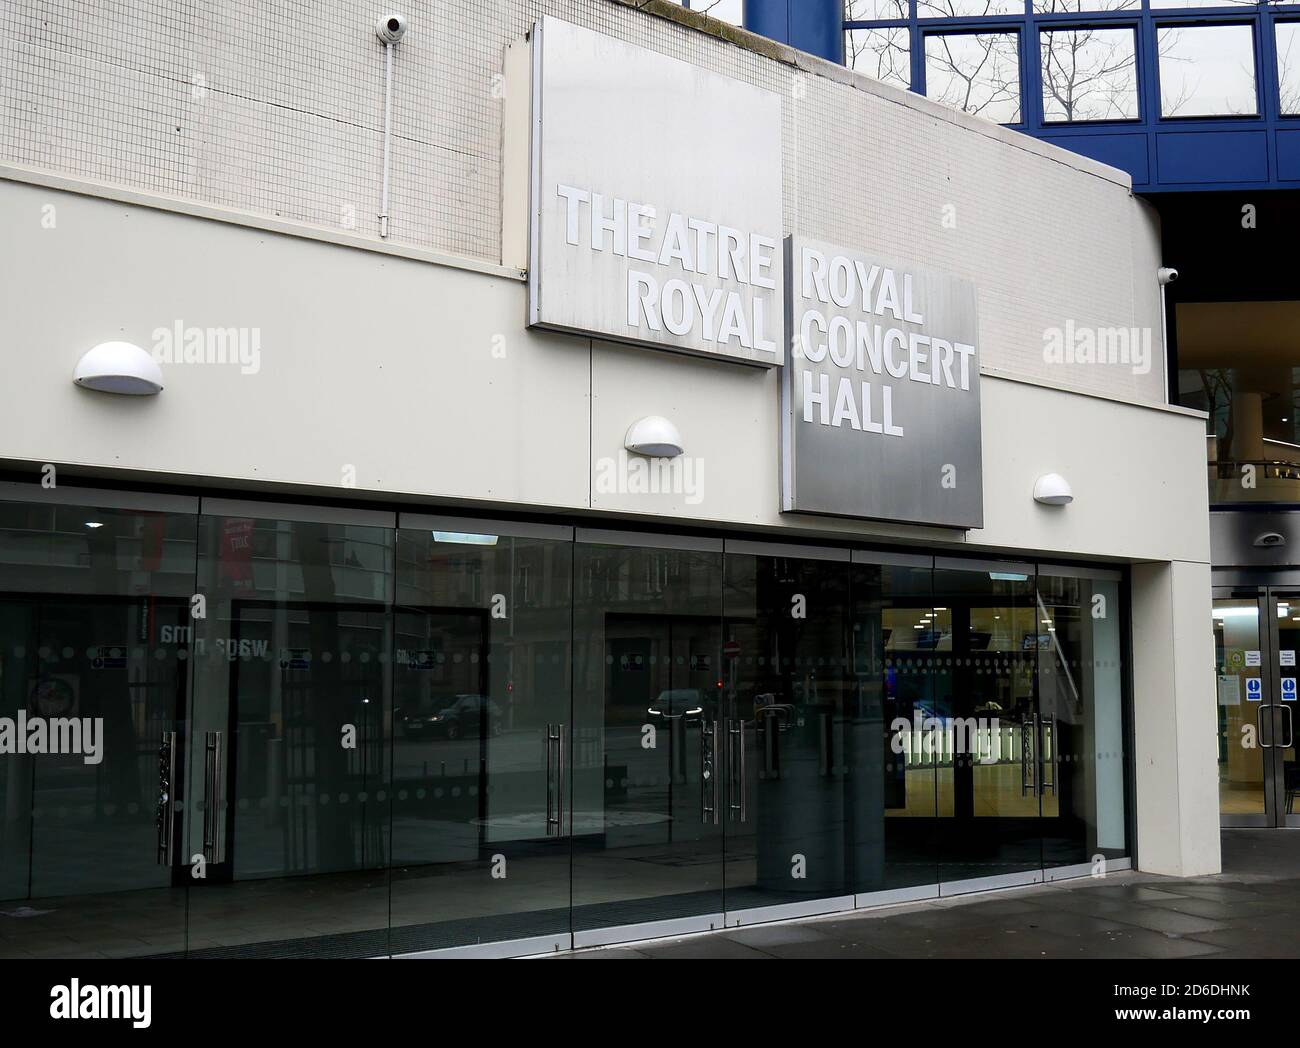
(975, 72)
(1217, 386)
(881, 53)
(1089, 74)
(1179, 86)
(1288, 67)
(875, 10)
(1045, 7)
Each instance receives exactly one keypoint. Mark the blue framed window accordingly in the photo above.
(1088, 73)
(1207, 70)
(975, 72)
(1054, 63)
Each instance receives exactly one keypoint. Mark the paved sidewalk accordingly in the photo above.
(1252, 909)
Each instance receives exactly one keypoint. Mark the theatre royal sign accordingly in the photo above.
(656, 219)
(656, 200)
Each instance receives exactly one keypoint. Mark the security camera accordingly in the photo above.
(391, 28)
(1166, 275)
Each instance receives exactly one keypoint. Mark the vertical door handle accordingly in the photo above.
(165, 815)
(1259, 725)
(212, 835)
(1028, 756)
(826, 742)
(1290, 727)
(552, 790)
(1047, 744)
(709, 772)
(559, 780)
(736, 808)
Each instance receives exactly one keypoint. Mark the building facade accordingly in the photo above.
(603, 474)
(1199, 101)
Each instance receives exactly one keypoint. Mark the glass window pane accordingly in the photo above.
(1207, 70)
(294, 647)
(481, 636)
(1080, 696)
(976, 73)
(1166, 4)
(1048, 7)
(95, 622)
(1089, 74)
(885, 54)
(1288, 66)
(875, 10)
(968, 8)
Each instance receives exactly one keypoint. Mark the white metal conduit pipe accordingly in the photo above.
(390, 30)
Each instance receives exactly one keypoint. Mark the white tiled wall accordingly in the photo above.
(276, 107)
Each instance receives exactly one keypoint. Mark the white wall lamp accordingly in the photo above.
(1052, 489)
(655, 437)
(118, 367)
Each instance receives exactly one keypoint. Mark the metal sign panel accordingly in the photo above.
(880, 402)
(656, 200)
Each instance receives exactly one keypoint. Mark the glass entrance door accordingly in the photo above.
(482, 760)
(1284, 644)
(787, 695)
(648, 736)
(1247, 717)
(997, 756)
(289, 767)
(94, 638)
(1081, 718)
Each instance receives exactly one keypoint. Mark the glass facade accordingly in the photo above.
(1247, 379)
(1053, 63)
(302, 731)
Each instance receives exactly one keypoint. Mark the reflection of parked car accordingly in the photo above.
(677, 704)
(451, 717)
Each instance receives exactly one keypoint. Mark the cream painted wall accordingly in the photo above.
(423, 378)
(1138, 473)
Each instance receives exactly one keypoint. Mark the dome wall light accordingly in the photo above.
(655, 437)
(1052, 489)
(119, 367)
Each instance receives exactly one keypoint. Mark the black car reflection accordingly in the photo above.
(450, 717)
(677, 704)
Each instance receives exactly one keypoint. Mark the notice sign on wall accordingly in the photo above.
(656, 200)
(881, 404)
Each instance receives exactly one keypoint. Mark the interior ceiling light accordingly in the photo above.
(118, 367)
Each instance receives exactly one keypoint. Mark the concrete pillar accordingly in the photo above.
(1247, 425)
(1174, 720)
